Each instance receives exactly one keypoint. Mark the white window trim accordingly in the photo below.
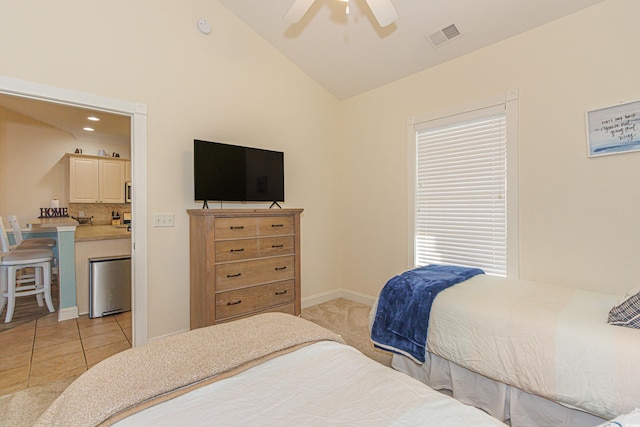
(510, 101)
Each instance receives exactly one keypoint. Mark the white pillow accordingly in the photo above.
(627, 311)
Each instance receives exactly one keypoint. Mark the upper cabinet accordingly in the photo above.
(111, 174)
(94, 179)
(127, 170)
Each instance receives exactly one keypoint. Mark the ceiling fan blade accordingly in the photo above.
(297, 11)
(383, 10)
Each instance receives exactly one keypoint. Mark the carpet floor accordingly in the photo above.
(347, 318)
(351, 320)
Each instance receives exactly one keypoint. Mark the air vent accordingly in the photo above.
(444, 35)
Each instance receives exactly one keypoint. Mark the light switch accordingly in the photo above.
(163, 220)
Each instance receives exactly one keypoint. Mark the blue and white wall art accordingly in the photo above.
(614, 130)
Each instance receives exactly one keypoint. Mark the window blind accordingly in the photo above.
(460, 197)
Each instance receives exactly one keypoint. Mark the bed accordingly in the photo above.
(270, 369)
(532, 353)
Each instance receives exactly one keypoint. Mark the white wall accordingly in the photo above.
(579, 216)
(229, 86)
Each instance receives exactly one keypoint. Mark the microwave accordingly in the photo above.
(127, 192)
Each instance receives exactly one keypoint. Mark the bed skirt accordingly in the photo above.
(498, 399)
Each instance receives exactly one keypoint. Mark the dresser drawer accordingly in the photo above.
(239, 249)
(288, 308)
(246, 273)
(235, 250)
(275, 225)
(230, 228)
(273, 246)
(234, 303)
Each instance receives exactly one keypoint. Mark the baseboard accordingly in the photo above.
(337, 293)
(68, 313)
(167, 335)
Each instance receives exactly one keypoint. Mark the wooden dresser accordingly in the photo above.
(243, 262)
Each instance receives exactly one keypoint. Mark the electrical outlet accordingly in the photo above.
(163, 220)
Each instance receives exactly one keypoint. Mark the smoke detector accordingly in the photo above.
(444, 35)
(204, 26)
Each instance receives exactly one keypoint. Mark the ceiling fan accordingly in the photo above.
(383, 10)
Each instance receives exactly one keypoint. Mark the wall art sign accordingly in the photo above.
(54, 213)
(614, 129)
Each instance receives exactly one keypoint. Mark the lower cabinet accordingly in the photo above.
(84, 251)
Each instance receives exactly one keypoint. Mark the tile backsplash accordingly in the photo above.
(101, 212)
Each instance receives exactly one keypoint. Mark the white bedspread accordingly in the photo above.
(323, 384)
(551, 341)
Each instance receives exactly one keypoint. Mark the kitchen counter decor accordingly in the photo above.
(54, 213)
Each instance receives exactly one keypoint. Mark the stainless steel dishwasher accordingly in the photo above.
(109, 285)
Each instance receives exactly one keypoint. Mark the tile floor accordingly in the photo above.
(26, 309)
(45, 350)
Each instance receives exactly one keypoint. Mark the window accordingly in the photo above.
(464, 187)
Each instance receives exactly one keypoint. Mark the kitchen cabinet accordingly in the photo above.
(93, 179)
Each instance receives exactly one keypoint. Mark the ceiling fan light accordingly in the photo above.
(297, 11)
(384, 11)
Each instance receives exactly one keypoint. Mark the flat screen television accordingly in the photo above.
(233, 173)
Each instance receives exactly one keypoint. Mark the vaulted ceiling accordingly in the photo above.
(351, 54)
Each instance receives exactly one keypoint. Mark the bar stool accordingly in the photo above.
(20, 241)
(16, 279)
(25, 275)
(11, 288)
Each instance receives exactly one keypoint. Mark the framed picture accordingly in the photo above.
(614, 129)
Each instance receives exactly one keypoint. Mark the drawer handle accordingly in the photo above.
(281, 268)
(234, 302)
(237, 227)
(281, 293)
(234, 275)
(277, 246)
(277, 225)
(237, 250)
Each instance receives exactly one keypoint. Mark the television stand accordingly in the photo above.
(275, 203)
(205, 205)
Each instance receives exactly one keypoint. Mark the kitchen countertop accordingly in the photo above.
(85, 233)
(52, 222)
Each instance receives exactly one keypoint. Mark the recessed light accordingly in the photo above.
(93, 119)
(88, 129)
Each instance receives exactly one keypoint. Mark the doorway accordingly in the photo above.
(138, 117)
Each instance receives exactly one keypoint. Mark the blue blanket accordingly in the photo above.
(404, 307)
